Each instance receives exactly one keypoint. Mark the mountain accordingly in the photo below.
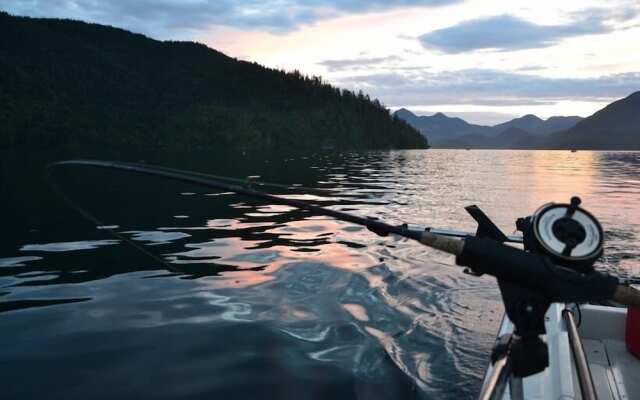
(71, 83)
(440, 126)
(447, 132)
(557, 124)
(615, 127)
(515, 138)
(529, 123)
(511, 138)
(533, 124)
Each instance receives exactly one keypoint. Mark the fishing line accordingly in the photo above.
(49, 179)
(437, 238)
(212, 181)
(232, 185)
(202, 180)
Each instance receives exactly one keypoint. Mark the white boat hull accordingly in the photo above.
(615, 372)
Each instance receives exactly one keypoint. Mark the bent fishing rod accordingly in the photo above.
(556, 262)
(233, 185)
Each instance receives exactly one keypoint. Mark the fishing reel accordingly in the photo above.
(568, 234)
(557, 233)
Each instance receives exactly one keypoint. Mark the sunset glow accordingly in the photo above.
(485, 61)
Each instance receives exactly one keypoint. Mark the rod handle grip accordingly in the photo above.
(627, 295)
(443, 243)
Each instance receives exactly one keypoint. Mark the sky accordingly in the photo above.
(486, 61)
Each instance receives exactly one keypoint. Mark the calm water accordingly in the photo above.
(243, 299)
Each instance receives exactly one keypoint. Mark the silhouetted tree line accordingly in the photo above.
(67, 82)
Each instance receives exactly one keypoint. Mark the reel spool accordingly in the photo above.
(568, 234)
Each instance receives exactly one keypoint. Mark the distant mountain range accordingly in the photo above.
(452, 132)
(616, 126)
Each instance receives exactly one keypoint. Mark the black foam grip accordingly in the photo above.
(535, 272)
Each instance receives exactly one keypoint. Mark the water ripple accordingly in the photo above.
(248, 291)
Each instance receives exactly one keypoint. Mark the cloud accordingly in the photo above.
(358, 63)
(507, 32)
(531, 67)
(489, 87)
(169, 18)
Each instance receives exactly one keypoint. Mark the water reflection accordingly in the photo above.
(17, 261)
(68, 246)
(276, 296)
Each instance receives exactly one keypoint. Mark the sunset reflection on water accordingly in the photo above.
(258, 287)
(428, 188)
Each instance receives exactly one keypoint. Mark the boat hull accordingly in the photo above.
(602, 332)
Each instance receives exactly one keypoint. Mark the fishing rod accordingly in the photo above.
(429, 235)
(247, 181)
(483, 252)
(217, 179)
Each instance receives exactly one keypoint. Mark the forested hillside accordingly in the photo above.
(68, 82)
